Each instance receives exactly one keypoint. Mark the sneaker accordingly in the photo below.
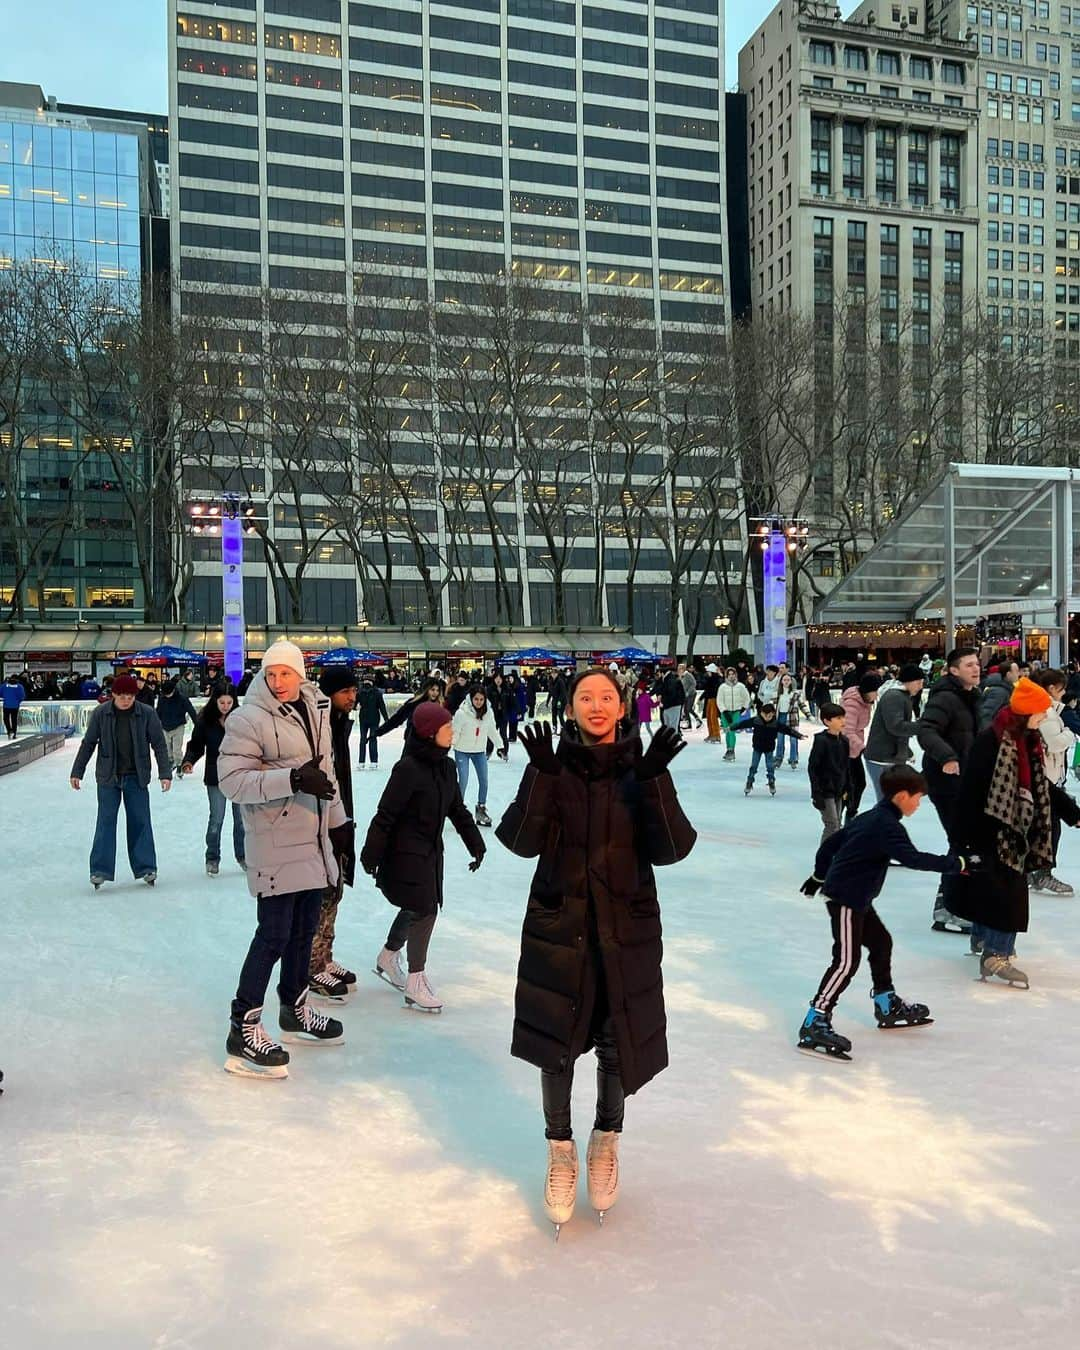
(560, 1185)
(346, 976)
(482, 817)
(420, 995)
(301, 1023)
(212, 869)
(252, 1052)
(328, 986)
(388, 967)
(602, 1162)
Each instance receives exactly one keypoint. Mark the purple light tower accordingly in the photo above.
(232, 591)
(774, 578)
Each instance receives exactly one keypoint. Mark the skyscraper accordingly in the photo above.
(376, 160)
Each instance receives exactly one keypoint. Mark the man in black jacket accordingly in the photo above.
(850, 869)
(947, 730)
(326, 978)
(672, 697)
(123, 732)
(893, 725)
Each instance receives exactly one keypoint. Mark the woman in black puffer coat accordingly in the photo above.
(206, 740)
(599, 814)
(404, 849)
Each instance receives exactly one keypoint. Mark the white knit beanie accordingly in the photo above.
(284, 653)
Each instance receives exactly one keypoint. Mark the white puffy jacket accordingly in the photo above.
(472, 733)
(1058, 741)
(286, 833)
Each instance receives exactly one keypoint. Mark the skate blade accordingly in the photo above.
(329, 998)
(993, 979)
(302, 1038)
(938, 926)
(387, 980)
(822, 1053)
(904, 1026)
(241, 1068)
(416, 1007)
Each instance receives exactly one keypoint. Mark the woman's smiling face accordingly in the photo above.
(596, 709)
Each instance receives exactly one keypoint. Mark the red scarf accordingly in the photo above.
(1029, 746)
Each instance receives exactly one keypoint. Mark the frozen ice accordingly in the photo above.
(924, 1196)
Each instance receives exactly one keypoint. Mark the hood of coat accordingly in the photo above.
(598, 761)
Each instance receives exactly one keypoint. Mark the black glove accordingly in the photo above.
(817, 803)
(474, 866)
(368, 863)
(310, 778)
(664, 746)
(343, 842)
(538, 746)
(811, 886)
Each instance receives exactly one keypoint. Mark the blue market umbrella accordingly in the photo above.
(631, 654)
(161, 656)
(347, 656)
(539, 655)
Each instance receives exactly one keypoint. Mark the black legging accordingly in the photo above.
(369, 738)
(557, 710)
(412, 931)
(557, 1088)
(502, 722)
(11, 720)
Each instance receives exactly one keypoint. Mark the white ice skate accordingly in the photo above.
(420, 995)
(602, 1161)
(560, 1186)
(388, 967)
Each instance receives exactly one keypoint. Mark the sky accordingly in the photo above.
(112, 52)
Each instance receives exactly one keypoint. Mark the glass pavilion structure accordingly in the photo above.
(984, 540)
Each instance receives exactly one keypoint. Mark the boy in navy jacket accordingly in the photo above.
(850, 870)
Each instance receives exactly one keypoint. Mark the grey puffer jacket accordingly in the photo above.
(287, 833)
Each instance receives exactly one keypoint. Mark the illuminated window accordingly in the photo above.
(302, 42)
(619, 276)
(216, 30)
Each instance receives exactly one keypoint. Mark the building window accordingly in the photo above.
(856, 58)
(853, 160)
(888, 63)
(821, 156)
(886, 164)
(823, 53)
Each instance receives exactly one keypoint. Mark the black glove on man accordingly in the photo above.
(538, 746)
(811, 886)
(343, 842)
(664, 746)
(474, 866)
(310, 778)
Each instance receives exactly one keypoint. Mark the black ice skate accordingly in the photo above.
(252, 1053)
(482, 817)
(212, 869)
(302, 1023)
(148, 877)
(748, 788)
(816, 1035)
(98, 881)
(772, 789)
(891, 1011)
(327, 985)
(346, 976)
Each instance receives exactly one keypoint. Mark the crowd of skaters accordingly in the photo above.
(276, 753)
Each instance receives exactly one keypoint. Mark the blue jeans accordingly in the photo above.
(218, 802)
(368, 742)
(140, 833)
(287, 926)
(793, 744)
(770, 765)
(479, 762)
(994, 941)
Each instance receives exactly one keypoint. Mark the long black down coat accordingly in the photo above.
(597, 831)
(404, 845)
(993, 895)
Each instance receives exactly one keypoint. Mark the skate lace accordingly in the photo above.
(335, 969)
(257, 1039)
(604, 1166)
(423, 986)
(312, 1019)
(325, 978)
(562, 1176)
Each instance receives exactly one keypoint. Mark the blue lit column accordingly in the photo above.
(232, 590)
(774, 578)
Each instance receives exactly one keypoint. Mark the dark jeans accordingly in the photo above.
(770, 765)
(945, 794)
(792, 741)
(994, 941)
(557, 713)
(856, 785)
(11, 720)
(140, 833)
(556, 1089)
(412, 931)
(287, 925)
(218, 803)
(852, 930)
(368, 741)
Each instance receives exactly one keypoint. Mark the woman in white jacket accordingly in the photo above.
(474, 729)
(1058, 743)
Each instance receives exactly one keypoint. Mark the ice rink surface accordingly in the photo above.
(388, 1193)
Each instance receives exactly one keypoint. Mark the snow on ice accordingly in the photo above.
(389, 1192)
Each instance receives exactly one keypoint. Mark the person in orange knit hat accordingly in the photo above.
(1005, 821)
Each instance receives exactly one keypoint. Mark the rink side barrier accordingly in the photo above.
(28, 748)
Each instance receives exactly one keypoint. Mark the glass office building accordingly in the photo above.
(378, 157)
(74, 192)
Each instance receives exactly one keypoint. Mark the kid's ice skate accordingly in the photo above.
(891, 1011)
(252, 1053)
(817, 1036)
(560, 1187)
(212, 869)
(388, 967)
(482, 817)
(992, 966)
(772, 789)
(346, 976)
(602, 1161)
(420, 995)
(328, 986)
(302, 1023)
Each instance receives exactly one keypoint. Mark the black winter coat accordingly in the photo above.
(949, 723)
(597, 831)
(341, 725)
(829, 766)
(993, 895)
(404, 845)
(370, 707)
(206, 739)
(853, 863)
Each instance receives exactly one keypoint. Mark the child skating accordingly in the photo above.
(599, 814)
(850, 870)
(764, 730)
(828, 769)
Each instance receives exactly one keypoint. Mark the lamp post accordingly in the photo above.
(722, 623)
(232, 516)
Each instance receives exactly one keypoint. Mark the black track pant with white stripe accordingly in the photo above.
(852, 930)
